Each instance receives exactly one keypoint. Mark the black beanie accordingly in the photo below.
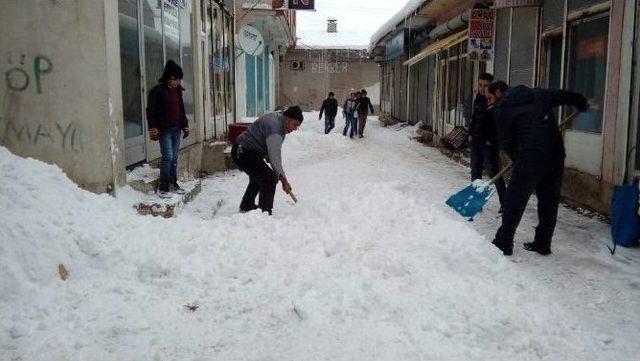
(171, 69)
(294, 112)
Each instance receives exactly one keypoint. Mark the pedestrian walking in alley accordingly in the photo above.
(350, 120)
(363, 105)
(484, 137)
(330, 109)
(528, 132)
(167, 120)
(263, 141)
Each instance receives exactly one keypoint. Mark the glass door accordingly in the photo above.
(131, 77)
(153, 56)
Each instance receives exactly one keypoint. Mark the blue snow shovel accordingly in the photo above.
(470, 201)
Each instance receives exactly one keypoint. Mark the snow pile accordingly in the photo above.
(410, 7)
(369, 265)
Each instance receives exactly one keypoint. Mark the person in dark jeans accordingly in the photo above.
(363, 105)
(528, 132)
(330, 109)
(348, 110)
(167, 120)
(263, 140)
(484, 138)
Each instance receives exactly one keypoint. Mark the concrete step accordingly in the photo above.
(144, 180)
(152, 204)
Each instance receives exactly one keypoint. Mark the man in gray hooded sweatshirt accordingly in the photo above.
(263, 141)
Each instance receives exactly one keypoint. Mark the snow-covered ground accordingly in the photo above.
(369, 265)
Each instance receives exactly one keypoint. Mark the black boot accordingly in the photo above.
(506, 248)
(249, 208)
(534, 247)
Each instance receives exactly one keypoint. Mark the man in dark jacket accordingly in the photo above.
(263, 140)
(484, 137)
(330, 109)
(528, 132)
(363, 105)
(167, 119)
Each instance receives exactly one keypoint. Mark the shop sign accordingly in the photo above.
(592, 48)
(294, 5)
(498, 4)
(395, 47)
(481, 29)
(250, 40)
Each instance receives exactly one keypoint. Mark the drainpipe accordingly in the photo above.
(409, 68)
(453, 24)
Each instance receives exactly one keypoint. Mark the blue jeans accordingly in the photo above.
(329, 123)
(350, 121)
(169, 147)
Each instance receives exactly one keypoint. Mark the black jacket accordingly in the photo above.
(158, 108)
(329, 107)
(483, 127)
(526, 125)
(363, 104)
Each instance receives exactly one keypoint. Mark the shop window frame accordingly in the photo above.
(569, 62)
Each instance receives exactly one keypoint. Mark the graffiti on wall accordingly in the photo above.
(22, 78)
(18, 76)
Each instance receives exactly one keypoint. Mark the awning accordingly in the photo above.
(437, 46)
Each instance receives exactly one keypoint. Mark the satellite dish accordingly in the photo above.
(250, 40)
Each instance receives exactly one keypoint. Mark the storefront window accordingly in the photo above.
(459, 86)
(587, 68)
(552, 62)
(153, 52)
(130, 68)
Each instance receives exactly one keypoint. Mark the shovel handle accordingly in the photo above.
(504, 170)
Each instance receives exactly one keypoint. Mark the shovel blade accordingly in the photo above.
(470, 200)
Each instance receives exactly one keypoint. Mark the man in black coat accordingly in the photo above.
(363, 105)
(330, 109)
(484, 137)
(528, 132)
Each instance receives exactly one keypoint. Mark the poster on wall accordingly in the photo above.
(481, 31)
(294, 5)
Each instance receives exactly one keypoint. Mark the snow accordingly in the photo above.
(356, 21)
(408, 9)
(370, 264)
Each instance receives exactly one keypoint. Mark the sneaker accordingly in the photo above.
(507, 249)
(533, 247)
(163, 191)
(175, 188)
(360, 136)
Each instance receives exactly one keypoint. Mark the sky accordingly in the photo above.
(357, 21)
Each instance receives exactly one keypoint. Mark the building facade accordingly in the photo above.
(587, 46)
(258, 73)
(77, 74)
(308, 75)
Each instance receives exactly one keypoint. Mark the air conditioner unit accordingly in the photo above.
(296, 65)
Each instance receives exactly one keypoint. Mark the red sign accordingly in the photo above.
(481, 28)
(592, 48)
(515, 3)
